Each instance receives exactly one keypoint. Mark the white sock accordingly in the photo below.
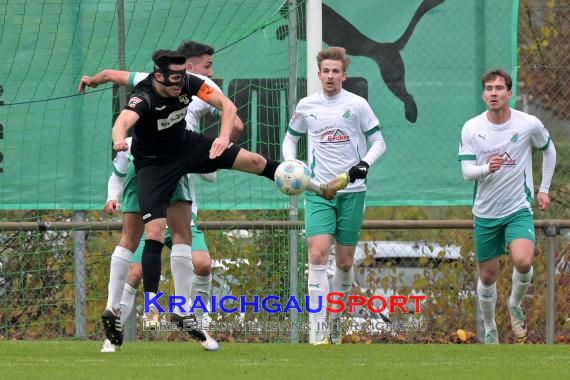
(127, 302)
(318, 287)
(182, 272)
(314, 187)
(487, 300)
(201, 287)
(521, 282)
(341, 283)
(118, 275)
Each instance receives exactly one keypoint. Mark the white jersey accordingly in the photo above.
(510, 188)
(336, 128)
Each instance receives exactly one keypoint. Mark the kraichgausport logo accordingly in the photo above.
(274, 304)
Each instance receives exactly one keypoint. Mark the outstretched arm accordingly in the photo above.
(105, 76)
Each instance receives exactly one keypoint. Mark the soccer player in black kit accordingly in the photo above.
(164, 150)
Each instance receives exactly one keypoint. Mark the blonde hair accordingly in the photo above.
(334, 53)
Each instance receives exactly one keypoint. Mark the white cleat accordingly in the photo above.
(108, 346)
(322, 339)
(518, 323)
(336, 336)
(210, 343)
(491, 337)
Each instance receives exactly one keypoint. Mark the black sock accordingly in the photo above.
(151, 265)
(270, 168)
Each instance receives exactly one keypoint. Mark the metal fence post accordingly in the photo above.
(80, 286)
(293, 211)
(129, 329)
(551, 231)
(480, 328)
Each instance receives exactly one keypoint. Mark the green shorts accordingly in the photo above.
(493, 236)
(198, 243)
(131, 200)
(342, 217)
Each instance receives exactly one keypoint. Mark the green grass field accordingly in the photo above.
(171, 360)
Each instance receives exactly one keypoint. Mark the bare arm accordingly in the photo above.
(227, 118)
(126, 119)
(105, 76)
(237, 130)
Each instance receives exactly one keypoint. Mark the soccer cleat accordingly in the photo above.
(321, 339)
(151, 319)
(189, 324)
(108, 346)
(491, 337)
(336, 336)
(330, 189)
(113, 327)
(209, 344)
(518, 323)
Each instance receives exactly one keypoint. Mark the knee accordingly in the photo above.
(344, 265)
(488, 277)
(318, 256)
(154, 233)
(258, 162)
(523, 265)
(202, 264)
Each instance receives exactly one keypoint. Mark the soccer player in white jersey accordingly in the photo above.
(496, 152)
(343, 135)
(183, 260)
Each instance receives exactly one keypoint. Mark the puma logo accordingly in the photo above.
(337, 31)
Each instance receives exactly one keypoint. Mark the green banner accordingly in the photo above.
(417, 62)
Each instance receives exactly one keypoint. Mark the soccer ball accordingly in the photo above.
(292, 177)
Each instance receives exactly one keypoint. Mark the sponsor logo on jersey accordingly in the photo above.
(335, 136)
(507, 160)
(172, 119)
(160, 108)
(184, 99)
(134, 101)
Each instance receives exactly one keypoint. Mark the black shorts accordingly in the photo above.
(157, 177)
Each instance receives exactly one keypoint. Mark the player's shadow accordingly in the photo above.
(337, 31)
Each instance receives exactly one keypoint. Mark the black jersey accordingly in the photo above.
(160, 130)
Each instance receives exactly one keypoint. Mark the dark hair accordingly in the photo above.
(190, 49)
(491, 75)
(164, 58)
(334, 53)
